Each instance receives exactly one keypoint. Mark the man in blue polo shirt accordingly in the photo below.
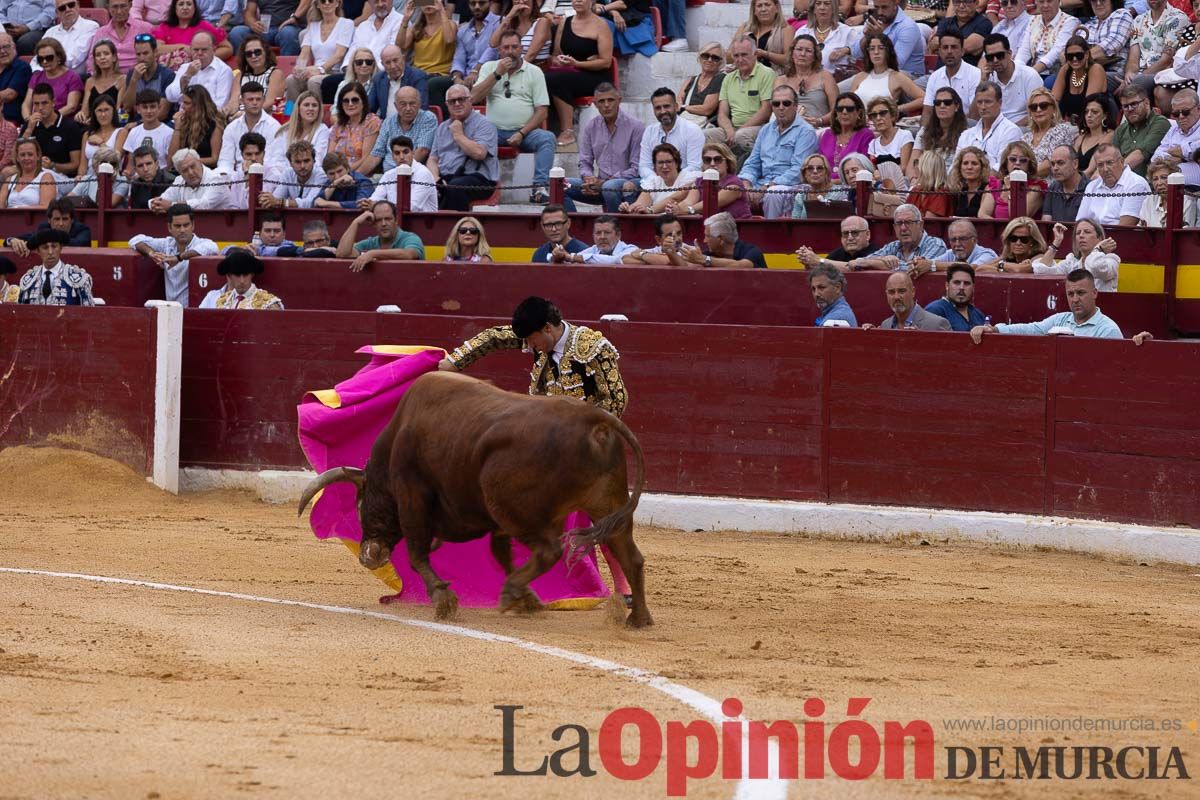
(956, 306)
(828, 287)
(557, 227)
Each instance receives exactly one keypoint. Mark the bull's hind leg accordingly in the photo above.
(501, 547)
(630, 558)
(543, 553)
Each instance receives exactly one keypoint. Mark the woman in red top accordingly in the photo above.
(930, 192)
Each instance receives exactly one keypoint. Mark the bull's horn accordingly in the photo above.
(335, 475)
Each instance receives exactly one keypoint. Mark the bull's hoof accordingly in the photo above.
(445, 604)
(636, 620)
(525, 602)
(390, 599)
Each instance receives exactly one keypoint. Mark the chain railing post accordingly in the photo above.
(862, 192)
(1017, 185)
(708, 193)
(104, 185)
(558, 184)
(1173, 225)
(254, 186)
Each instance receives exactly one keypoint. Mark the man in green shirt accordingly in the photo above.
(389, 241)
(745, 100)
(1138, 136)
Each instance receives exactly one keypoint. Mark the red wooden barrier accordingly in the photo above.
(82, 379)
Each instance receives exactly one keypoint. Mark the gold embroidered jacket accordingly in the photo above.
(254, 299)
(587, 371)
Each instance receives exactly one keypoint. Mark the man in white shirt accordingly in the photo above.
(1179, 146)
(375, 33)
(197, 185)
(608, 249)
(1113, 178)
(422, 193)
(205, 70)
(252, 149)
(687, 138)
(956, 74)
(298, 185)
(993, 132)
(1016, 80)
(252, 121)
(172, 253)
(73, 32)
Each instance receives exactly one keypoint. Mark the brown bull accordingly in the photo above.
(462, 458)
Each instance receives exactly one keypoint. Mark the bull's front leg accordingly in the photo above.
(445, 601)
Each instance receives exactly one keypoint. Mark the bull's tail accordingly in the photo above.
(602, 530)
(335, 475)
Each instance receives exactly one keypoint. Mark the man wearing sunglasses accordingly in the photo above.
(780, 149)
(74, 33)
(1141, 131)
(122, 30)
(1110, 198)
(463, 158)
(1182, 140)
(1016, 81)
(26, 21)
(1010, 19)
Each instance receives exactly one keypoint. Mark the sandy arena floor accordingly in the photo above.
(114, 691)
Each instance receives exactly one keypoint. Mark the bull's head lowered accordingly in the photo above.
(378, 536)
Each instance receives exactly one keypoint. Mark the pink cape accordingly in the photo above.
(338, 428)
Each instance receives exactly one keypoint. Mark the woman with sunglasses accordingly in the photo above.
(700, 94)
(1079, 77)
(103, 131)
(1096, 128)
(941, 134)
(731, 194)
(815, 88)
(1046, 128)
(536, 32)
(1012, 23)
(767, 26)
(429, 41)
(969, 177)
(175, 35)
(198, 126)
(835, 38)
(32, 186)
(816, 186)
(354, 129)
(995, 204)
(582, 59)
(256, 61)
(883, 78)
(1091, 249)
(848, 133)
(891, 144)
(304, 125)
(67, 85)
(1022, 243)
(657, 189)
(468, 242)
(106, 80)
(363, 66)
(326, 41)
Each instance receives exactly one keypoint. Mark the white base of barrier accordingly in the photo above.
(829, 521)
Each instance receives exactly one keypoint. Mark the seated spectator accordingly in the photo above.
(240, 268)
(145, 74)
(965, 246)
(84, 192)
(891, 144)
(26, 21)
(671, 129)
(556, 225)
(773, 167)
(1046, 129)
(1046, 39)
(1078, 78)
(203, 70)
(848, 133)
(912, 243)
(1017, 81)
(701, 93)
(956, 306)
(271, 236)
(1096, 128)
(656, 190)
(837, 46)
(256, 62)
(54, 283)
(1092, 251)
(317, 243)
(177, 36)
(744, 104)
(107, 81)
(387, 83)
(122, 30)
(377, 35)
(103, 131)
(1139, 134)
(326, 42)
(1115, 195)
(1084, 318)
(582, 57)
(828, 287)
(299, 184)
(429, 35)
(65, 85)
(60, 216)
(1108, 33)
(1154, 207)
(255, 119)
(74, 33)
(14, 80)
(344, 187)
(969, 177)
(197, 186)
(283, 29)
(32, 186)
(995, 204)
(1065, 192)
(609, 148)
(463, 160)
(1182, 140)
(468, 242)
(149, 180)
(931, 191)
(958, 71)
(1022, 243)
(474, 47)
(410, 121)
(608, 247)
(537, 32)
(940, 136)
(721, 248)
(994, 132)
(668, 234)
(60, 138)
(9, 292)
(902, 33)
(882, 78)
(252, 147)
(517, 104)
(363, 69)
(172, 253)
(354, 128)
(966, 24)
(305, 125)
(816, 90)
(422, 196)
(731, 195)
(198, 126)
(1012, 22)
(389, 241)
(856, 243)
(150, 132)
(770, 31)
(907, 313)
